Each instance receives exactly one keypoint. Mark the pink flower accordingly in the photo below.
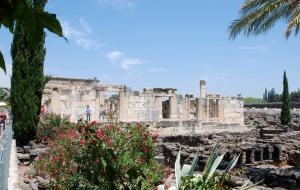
(82, 141)
(54, 159)
(100, 134)
(73, 134)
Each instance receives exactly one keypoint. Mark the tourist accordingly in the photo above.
(2, 122)
(88, 112)
(101, 114)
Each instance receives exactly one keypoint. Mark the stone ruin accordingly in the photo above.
(154, 107)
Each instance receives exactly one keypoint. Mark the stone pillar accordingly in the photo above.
(200, 108)
(55, 102)
(123, 107)
(207, 108)
(187, 109)
(241, 159)
(258, 154)
(173, 107)
(221, 110)
(202, 89)
(158, 106)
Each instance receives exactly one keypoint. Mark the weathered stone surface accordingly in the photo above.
(37, 151)
(42, 183)
(270, 117)
(20, 150)
(62, 96)
(294, 157)
(26, 149)
(23, 156)
(34, 184)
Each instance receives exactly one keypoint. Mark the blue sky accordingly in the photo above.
(165, 43)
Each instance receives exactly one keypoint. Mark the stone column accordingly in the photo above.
(158, 107)
(207, 108)
(221, 110)
(123, 107)
(173, 107)
(187, 108)
(55, 102)
(201, 107)
(202, 89)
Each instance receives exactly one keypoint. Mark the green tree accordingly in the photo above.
(32, 18)
(259, 16)
(295, 96)
(27, 81)
(285, 116)
(272, 95)
(265, 96)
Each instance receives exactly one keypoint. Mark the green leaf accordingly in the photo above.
(2, 63)
(211, 159)
(185, 170)
(215, 165)
(232, 163)
(33, 30)
(132, 173)
(178, 170)
(49, 21)
(194, 164)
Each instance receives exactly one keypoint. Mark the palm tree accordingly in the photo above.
(259, 16)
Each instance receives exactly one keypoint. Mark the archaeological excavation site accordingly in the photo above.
(269, 152)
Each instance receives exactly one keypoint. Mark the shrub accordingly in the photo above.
(50, 125)
(89, 156)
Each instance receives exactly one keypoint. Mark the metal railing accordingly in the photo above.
(5, 149)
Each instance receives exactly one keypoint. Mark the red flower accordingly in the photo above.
(93, 122)
(82, 141)
(100, 134)
(109, 127)
(142, 160)
(73, 134)
(54, 159)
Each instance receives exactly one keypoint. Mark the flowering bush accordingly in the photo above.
(90, 156)
(50, 126)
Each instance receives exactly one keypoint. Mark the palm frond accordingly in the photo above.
(259, 16)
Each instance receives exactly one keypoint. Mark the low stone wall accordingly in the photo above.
(194, 127)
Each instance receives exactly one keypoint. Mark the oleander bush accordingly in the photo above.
(92, 156)
(50, 125)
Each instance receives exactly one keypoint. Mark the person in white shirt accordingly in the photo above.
(88, 112)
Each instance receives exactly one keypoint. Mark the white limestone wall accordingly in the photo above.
(69, 98)
(142, 108)
(233, 110)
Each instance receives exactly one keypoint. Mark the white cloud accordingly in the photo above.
(123, 61)
(127, 63)
(114, 56)
(156, 70)
(82, 36)
(118, 4)
(85, 25)
(258, 48)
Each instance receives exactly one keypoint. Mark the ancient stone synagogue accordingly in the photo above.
(69, 97)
